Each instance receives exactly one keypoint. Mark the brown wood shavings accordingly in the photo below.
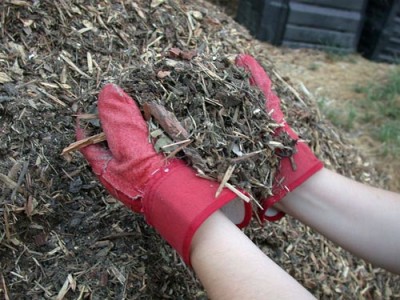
(61, 229)
(210, 101)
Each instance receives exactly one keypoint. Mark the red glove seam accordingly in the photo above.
(155, 181)
(216, 203)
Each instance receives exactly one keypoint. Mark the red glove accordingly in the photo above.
(286, 179)
(170, 195)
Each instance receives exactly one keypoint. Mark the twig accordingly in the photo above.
(20, 180)
(73, 66)
(225, 179)
(238, 193)
(6, 223)
(98, 138)
(166, 119)
(46, 291)
(55, 99)
(173, 153)
(247, 156)
(6, 297)
(176, 144)
(291, 89)
(86, 116)
(256, 202)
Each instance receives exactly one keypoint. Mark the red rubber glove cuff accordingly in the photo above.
(178, 203)
(288, 179)
(304, 163)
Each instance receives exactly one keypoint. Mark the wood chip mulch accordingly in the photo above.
(61, 235)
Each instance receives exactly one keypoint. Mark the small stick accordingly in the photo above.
(293, 163)
(55, 99)
(238, 193)
(256, 202)
(73, 66)
(84, 142)
(241, 135)
(246, 156)
(294, 92)
(176, 144)
(8, 182)
(6, 297)
(225, 179)
(166, 119)
(87, 116)
(173, 153)
(204, 176)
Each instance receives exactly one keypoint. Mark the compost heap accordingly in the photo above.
(62, 235)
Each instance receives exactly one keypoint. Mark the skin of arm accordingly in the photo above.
(230, 266)
(362, 219)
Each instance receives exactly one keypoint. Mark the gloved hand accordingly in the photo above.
(286, 179)
(170, 195)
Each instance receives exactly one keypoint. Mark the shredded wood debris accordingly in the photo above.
(209, 100)
(61, 233)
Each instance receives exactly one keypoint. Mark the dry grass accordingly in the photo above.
(343, 88)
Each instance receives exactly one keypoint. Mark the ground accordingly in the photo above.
(61, 235)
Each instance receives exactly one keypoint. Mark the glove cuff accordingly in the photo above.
(176, 202)
(292, 173)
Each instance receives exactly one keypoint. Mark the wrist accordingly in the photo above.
(208, 231)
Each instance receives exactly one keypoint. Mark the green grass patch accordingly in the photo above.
(382, 111)
(377, 112)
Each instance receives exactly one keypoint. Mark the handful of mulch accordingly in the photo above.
(204, 110)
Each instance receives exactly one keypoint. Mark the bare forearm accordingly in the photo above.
(230, 266)
(362, 219)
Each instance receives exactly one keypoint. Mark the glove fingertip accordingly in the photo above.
(113, 94)
(261, 79)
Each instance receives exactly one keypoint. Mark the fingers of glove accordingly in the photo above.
(99, 159)
(124, 126)
(263, 82)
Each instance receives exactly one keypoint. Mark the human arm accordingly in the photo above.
(362, 219)
(230, 266)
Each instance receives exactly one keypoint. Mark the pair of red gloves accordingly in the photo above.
(170, 195)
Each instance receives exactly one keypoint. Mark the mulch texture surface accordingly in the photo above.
(61, 235)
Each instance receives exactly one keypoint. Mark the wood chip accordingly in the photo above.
(73, 66)
(95, 139)
(225, 179)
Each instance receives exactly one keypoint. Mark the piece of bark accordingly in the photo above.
(167, 121)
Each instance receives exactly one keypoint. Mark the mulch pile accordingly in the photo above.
(61, 234)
